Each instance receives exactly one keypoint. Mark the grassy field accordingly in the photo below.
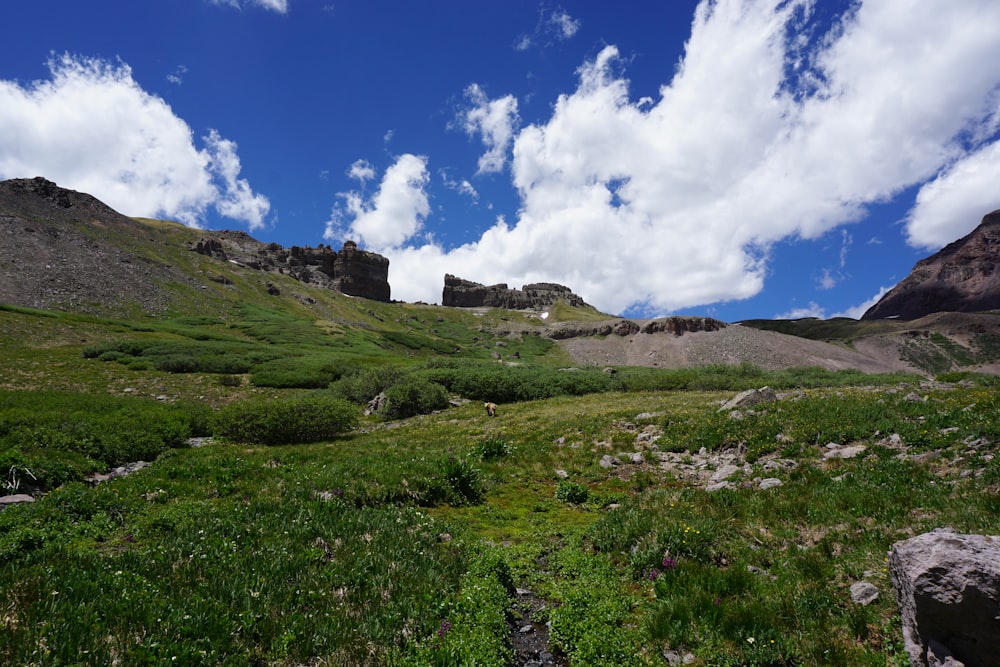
(404, 541)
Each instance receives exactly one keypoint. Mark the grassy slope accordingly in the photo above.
(322, 553)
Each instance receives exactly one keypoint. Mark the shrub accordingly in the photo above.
(305, 418)
(463, 479)
(573, 493)
(297, 373)
(363, 386)
(413, 397)
(493, 447)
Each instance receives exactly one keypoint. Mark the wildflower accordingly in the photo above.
(653, 574)
(751, 640)
(669, 563)
(445, 627)
(718, 600)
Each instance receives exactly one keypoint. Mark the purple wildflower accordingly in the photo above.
(653, 574)
(669, 563)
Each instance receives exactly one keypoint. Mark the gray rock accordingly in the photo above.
(724, 472)
(769, 483)
(848, 452)
(749, 398)
(16, 499)
(561, 474)
(718, 486)
(608, 461)
(864, 593)
(948, 590)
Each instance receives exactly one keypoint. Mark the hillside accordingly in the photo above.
(65, 251)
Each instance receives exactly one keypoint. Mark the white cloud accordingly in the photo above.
(361, 170)
(495, 120)
(855, 312)
(827, 280)
(279, 6)
(564, 24)
(759, 136)
(954, 203)
(390, 217)
(93, 128)
(554, 25)
(812, 310)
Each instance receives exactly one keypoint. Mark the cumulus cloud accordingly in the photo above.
(774, 125)
(495, 121)
(391, 216)
(953, 204)
(92, 128)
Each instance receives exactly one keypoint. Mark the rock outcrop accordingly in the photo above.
(351, 271)
(948, 589)
(961, 277)
(461, 293)
(622, 327)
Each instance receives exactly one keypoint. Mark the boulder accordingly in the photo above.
(948, 590)
(749, 398)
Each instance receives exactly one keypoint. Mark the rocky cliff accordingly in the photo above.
(961, 277)
(461, 293)
(351, 271)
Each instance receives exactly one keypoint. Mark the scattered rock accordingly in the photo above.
(16, 499)
(608, 461)
(864, 593)
(948, 590)
(749, 398)
(841, 452)
(561, 474)
(769, 483)
(120, 471)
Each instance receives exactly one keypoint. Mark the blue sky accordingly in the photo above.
(735, 158)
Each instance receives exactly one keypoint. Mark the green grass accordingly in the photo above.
(350, 541)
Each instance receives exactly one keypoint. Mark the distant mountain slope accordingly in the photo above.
(961, 277)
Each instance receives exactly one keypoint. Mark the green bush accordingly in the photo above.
(493, 447)
(299, 419)
(306, 372)
(108, 429)
(362, 386)
(463, 479)
(413, 397)
(573, 493)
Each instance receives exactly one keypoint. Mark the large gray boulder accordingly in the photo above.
(948, 589)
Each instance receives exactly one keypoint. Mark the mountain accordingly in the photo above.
(66, 252)
(961, 277)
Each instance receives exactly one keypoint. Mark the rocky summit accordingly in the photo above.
(961, 277)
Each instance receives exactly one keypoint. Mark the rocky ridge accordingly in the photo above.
(461, 293)
(961, 277)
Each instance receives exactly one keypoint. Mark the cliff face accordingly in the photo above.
(350, 271)
(461, 293)
(961, 277)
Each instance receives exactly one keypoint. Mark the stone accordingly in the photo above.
(749, 398)
(848, 452)
(769, 483)
(608, 461)
(948, 590)
(16, 499)
(724, 472)
(864, 593)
